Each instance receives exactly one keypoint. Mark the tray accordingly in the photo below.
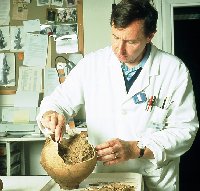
(134, 179)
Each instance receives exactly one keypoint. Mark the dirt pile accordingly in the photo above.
(75, 150)
(112, 187)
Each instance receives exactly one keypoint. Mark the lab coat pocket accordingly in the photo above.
(158, 118)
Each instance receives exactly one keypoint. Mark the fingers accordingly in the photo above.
(109, 152)
(109, 144)
(114, 151)
(55, 122)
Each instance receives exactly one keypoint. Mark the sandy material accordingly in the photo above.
(75, 150)
(112, 187)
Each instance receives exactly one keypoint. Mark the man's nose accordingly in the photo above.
(121, 48)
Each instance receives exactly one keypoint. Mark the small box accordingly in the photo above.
(15, 170)
(15, 157)
(13, 147)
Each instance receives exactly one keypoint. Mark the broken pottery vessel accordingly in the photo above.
(68, 162)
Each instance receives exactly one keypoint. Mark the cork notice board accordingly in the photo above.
(43, 13)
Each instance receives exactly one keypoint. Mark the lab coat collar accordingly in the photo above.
(151, 69)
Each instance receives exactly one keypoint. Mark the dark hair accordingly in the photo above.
(127, 11)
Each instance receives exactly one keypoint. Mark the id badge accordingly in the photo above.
(139, 98)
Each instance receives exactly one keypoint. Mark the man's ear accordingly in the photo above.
(150, 36)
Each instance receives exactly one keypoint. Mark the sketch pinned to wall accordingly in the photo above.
(20, 11)
(58, 3)
(4, 38)
(67, 15)
(17, 38)
(4, 12)
(43, 2)
(7, 69)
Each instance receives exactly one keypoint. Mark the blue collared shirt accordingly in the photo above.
(130, 72)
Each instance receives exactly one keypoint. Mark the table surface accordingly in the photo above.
(40, 183)
(24, 183)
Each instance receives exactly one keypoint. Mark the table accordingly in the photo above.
(45, 183)
(24, 183)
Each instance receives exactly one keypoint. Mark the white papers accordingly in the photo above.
(31, 25)
(67, 44)
(51, 80)
(4, 12)
(26, 99)
(35, 50)
(30, 79)
(7, 68)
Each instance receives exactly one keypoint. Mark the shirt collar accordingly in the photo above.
(142, 62)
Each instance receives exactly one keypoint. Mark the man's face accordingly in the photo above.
(129, 43)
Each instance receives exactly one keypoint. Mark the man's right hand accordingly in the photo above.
(55, 122)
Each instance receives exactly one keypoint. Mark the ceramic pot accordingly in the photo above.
(68, 176)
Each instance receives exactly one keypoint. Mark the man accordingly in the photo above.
(139, 102)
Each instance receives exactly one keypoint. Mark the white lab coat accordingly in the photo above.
(97, 83)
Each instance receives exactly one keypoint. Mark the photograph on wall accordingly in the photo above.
(65, 29)
(46, 29)
(17, 37)
(21, 1)
(7, 69)
(58, 3)
(51, 15)
(71, 3)
(43, 2)
(4, 38)
(20, 11)
(67, 15)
